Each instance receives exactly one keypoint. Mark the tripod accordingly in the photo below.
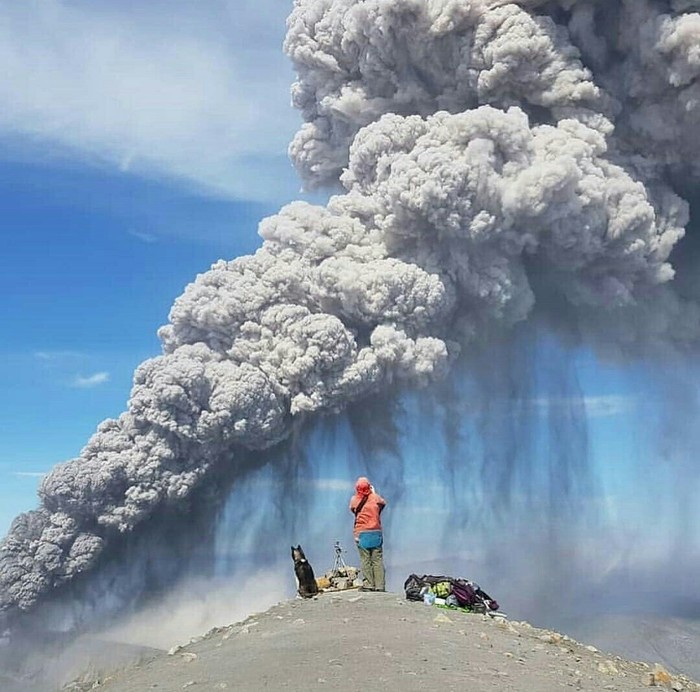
(339, 566)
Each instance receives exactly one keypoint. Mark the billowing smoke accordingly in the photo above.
(493, 160)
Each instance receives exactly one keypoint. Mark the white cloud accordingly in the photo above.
(143, 236)
(177, 90)
(91, 380)
(325, 484)
(55, 356)
(609, 405)
(333, 484)
(29, 474)
(429, 510)
(596, 406)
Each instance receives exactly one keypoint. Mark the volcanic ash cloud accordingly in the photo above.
(478, 145)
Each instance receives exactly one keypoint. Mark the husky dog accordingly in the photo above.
(306, 581)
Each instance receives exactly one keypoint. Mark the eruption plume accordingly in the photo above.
(492, 159)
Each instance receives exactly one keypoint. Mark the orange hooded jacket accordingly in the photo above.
(368, 518)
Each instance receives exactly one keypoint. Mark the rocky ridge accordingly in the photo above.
(339, 641)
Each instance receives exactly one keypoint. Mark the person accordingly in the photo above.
(367, 506)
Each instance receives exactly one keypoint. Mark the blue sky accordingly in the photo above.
(139, 143)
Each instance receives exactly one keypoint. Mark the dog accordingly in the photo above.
(304, 573)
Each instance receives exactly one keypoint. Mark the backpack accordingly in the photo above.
(472, 596)
(468, 594)
(412, 588)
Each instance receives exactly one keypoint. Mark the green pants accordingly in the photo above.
(372, 565)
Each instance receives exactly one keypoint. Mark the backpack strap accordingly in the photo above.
(359, 507)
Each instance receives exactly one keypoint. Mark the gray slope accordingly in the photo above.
(340, 641)
(672, 641)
